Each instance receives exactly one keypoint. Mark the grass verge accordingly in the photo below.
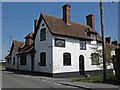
(111, 79)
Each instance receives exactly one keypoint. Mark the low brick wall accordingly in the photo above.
(117, 52)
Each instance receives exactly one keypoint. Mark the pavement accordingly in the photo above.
(43, 81)
(92, 86)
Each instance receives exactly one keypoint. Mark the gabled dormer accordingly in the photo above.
(29, 39)
(91, 27)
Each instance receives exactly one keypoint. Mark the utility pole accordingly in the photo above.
(103, 40)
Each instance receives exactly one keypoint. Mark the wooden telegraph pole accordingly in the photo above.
(103, 40)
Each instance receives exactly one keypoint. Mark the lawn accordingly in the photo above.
(111, 79)
(2, 66)
(90, 79)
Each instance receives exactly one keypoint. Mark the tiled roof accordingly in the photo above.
(27, 49)
(30, 35)
(8, 56)
(108, 48)
(58, 27)
(15, 44)
(99, 38)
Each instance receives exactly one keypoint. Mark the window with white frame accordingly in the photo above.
(93, 36)
(95, 59)
(82, 45)
(66, 59)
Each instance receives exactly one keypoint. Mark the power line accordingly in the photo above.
(55, 12)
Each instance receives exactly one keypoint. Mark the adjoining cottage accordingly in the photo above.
(26, 54)
(11, 58)
(59, 47)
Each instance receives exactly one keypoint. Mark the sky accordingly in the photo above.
(18, 18)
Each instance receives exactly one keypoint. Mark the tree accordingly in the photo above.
(98, 53)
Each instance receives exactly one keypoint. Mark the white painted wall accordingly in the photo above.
(26, 67)
(72, 46)
(12, 56)
(43, 46)
(7, 65)
(54, 55)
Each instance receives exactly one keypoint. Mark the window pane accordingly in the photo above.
(43, 34)
(66, 59)
(95, 58)
(23, 60)
(43, 59)
(83, 45)
(14, 61)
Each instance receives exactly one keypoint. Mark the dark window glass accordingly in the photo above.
(95, 59)
(59, 42)
(23, 59)
(10, 61)
(43, 59)
(66, 59)
(82, 45)
(14, 61)
(43, 34)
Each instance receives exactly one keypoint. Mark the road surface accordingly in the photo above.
(13, 80)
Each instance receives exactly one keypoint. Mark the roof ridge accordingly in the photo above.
(17, 41)
(61, 19)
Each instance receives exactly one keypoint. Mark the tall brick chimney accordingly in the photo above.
(66, 14)
(108, 39)
(90, 20)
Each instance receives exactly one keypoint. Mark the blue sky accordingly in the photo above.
(17, 18)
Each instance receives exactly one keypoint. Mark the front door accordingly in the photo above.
(32, 62)
(81, 65)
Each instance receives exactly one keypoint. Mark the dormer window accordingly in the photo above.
(27, 41)
(82, 45)
(93, 36)
(43, 34)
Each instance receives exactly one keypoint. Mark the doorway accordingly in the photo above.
(81, 65)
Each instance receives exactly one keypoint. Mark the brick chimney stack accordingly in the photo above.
(108, 39)
(90, 20)
(66, 14)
